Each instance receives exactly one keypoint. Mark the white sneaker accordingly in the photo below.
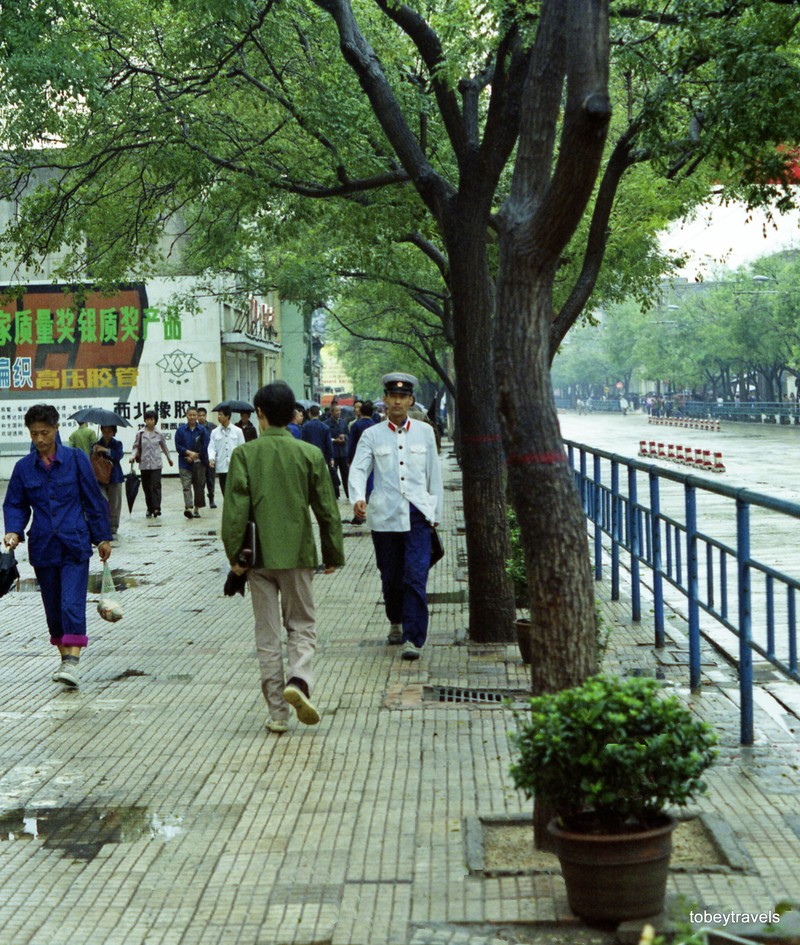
(300, 702)
(395, 634)
(410, 652)
(277, 725)
(67, 674)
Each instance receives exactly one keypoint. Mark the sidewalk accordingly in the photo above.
(152, 807)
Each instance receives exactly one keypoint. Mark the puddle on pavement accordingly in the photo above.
(80, 833)
(122, 581)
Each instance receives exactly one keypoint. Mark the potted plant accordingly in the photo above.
(607, 757)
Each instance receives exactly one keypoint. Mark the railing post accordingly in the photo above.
(633, 538)
(745, 624)
(615, 530)
(598, 521)
(655, 546)
(692, 586)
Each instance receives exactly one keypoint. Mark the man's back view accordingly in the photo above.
(273, 481)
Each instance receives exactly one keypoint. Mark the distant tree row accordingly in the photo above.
(735, 336)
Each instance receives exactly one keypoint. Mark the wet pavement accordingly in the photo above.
(151, 807)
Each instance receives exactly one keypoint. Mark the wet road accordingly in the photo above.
(761, 458)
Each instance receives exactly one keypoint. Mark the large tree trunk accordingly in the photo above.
(552, 523)
(491, 596)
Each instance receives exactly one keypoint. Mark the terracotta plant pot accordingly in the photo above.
(615, 877)
(523, 629)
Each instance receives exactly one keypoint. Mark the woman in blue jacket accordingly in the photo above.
(57, 484)
(112, 449)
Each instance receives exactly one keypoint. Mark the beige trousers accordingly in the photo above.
(283, 598)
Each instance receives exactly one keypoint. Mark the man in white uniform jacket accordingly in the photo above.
(224, 439)
(406, 502)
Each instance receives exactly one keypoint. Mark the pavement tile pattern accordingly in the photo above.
(151, 807)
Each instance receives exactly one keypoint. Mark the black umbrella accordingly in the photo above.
(236, 405)
(8, 570)
(305, 404)
(104, 418)
(132, 482)
(235, 584)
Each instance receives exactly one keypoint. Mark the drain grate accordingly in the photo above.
(457, 694)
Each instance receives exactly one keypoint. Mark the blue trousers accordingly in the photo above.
(404, 559)
(64, 587)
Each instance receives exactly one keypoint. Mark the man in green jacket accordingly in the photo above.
(273, 481)
(83, 438)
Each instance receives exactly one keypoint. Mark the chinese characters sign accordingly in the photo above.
(50, 341)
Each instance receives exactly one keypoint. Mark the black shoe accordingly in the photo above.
(149, 515)
(195, 515)
(157, 513)
(212, 505)
(187, 513)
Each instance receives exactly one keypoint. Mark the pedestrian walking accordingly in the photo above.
(316, 432)
(224, 439)
(340, 433)
(111, 448)
(356, 413)
(245, 424)
(364, 422)
(273, 482)
(83, 438)
(296, 424)
(203, 421)
(57, 485)
(149, 448)
(191, 443)
(405, 504)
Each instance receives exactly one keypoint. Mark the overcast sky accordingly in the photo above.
(729, 236)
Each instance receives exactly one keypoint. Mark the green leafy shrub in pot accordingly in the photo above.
(609, 755)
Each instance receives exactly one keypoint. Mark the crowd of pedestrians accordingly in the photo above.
(389, 472)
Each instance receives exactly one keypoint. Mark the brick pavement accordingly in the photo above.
(152, 807)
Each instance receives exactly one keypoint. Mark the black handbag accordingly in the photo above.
(437, 548)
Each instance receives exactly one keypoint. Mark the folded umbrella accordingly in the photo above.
(104, 418)
(132, 482)
(237, 406)
(9, 574)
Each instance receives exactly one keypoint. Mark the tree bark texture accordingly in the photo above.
(491, 597)
(552, 523)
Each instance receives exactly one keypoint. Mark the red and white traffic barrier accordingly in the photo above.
(693, 423)
(692, 456)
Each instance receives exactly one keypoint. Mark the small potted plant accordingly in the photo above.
(608, 757)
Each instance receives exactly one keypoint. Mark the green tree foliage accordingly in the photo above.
(498, 138)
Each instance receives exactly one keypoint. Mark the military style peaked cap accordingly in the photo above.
(399, 383)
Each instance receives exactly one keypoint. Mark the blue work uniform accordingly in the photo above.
(70, 514)
(316, 432)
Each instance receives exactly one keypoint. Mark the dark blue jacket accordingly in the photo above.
(358, 427)
(337, 427)
(70, 513)
(115, 454)
(317, 432)
(195, 440)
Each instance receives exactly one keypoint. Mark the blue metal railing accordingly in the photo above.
(722, 579)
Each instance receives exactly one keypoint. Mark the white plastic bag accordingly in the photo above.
(109, 606)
